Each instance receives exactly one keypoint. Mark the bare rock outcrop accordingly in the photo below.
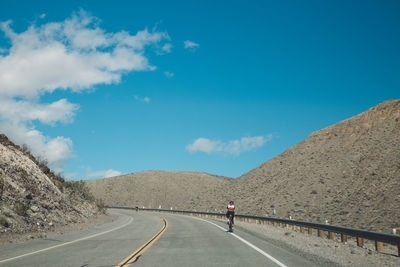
(34, 199)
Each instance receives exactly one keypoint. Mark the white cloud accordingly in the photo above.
(169, 74)
(74, 54)
(190, 45)
(204, 145)
(22, 111)
(145, 99)
(233, 147)
(104, 174)
(167, 48)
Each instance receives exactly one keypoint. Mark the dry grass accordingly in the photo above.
(4, 222)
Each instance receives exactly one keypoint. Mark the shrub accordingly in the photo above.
(25, 149)
(100, 205)
(4, 221)
(42, 162)
(81, 189)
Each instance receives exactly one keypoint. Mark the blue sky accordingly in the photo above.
(100, 88)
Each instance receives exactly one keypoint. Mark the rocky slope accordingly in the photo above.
(348, 174)
(32, 198)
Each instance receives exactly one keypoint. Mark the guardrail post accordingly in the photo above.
(398, 250)
(360, 241)
(294, 227)
(320, 233)
(378, 246)
(331, 235)
(343, 238)
(301, 229)
(310, 231)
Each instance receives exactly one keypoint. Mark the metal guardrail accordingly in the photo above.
(360, 234)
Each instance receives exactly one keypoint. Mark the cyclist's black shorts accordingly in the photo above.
(228, 213)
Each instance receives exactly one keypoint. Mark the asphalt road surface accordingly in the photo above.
(186, 241)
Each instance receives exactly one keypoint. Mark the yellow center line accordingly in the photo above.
(133, 257)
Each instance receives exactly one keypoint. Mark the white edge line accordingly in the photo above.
(259, 250)
(247, 243)
(67, 243)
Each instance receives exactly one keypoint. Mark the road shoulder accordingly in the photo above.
(327, 252)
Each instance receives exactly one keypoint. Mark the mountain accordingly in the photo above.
(168, 189)
(348, 174)
(33, 199)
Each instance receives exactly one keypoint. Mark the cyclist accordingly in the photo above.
(137, 207)
(230, 210)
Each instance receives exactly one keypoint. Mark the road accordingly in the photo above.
(186, 241)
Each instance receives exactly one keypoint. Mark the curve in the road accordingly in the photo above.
(137, 253)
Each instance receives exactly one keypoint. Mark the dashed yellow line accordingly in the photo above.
(133, 257)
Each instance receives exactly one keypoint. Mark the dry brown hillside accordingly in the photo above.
(33, 199)
(348, 174)
(182, 190)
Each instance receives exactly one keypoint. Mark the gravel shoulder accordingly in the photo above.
(339, 254)
(8, 238)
